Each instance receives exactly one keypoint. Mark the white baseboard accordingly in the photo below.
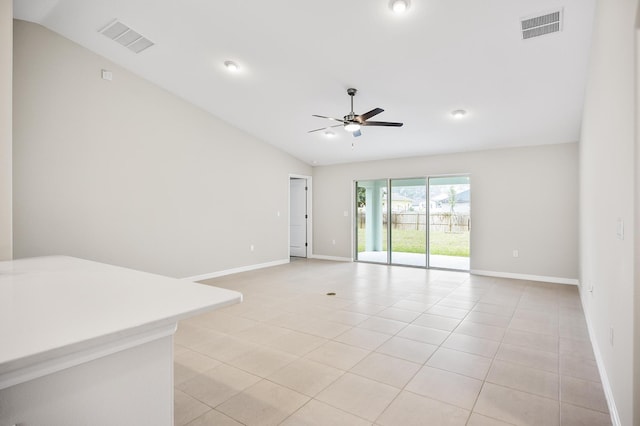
(542, 278)
(606, 385)
(334, 258)
(237, 270)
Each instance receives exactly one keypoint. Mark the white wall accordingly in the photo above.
(124, 172)
(6, 70)
(521, 198)
(607, 162)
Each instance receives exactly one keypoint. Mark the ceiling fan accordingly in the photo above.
(352, 122)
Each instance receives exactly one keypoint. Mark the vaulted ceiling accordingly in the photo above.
(297, 58)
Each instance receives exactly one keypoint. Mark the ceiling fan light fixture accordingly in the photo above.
(399, 6)
(231, 66)
(352, 127)
(459, 114)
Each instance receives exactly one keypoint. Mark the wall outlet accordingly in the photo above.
(251, 247)
(333, 242)
(611, 335)
(516, 253)
(278, 213)
(346, 213)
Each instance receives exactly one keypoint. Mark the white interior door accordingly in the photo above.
(298, 217)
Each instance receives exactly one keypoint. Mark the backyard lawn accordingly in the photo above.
(412, 241)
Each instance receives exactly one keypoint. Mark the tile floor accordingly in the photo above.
(394, 346)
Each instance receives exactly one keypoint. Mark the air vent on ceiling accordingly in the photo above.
(542, 24)
(127, 37)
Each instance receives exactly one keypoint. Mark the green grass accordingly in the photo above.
(412, 241)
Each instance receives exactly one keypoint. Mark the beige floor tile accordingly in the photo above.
(424, 334)
(472, 345)
(288, 320)
(576, 348)
(533, 326)
(264, 313)
(297, 343)
(542, 342)
(383, 325)
(214, 418)
(481, 330)
(399, 314)
(584, 393)
(517, 407)
(188, 364)
(189, 335)
(223, 323)
(316, 413)
(581, 368)
(363, 338)
(264, 403)
(338, 355)
(346, 317)
(219, 384)
(306, 376)
(532, 358)
(494, 309)
(386, 369)
(359, 396)
(365, 308)
(572, 415)
(407, 349)
(409, 409)
(226, 348)
(457, 302)
(262, 361)
(412, 305)
(186, 408)
(322, 328)
(488, 319)
(526, 379)
(449, 312)
(460, 362)
(437, 322)
(262, 334)
(445, 386)
(480, 420)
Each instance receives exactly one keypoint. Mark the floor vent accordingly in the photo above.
(537, 26)
(127, 37)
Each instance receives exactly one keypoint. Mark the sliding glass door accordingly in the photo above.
(407, 222)
(449, 222)
(371, 226)
(422, 222)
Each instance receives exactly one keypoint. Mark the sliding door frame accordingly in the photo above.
(388, 211)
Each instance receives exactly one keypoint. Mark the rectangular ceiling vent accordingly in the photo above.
(127, 37)
(537, 26)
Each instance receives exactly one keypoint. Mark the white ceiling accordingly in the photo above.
(298, 57)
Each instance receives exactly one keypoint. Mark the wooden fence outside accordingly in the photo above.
(442, 221)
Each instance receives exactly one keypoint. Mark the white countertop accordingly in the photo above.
(51, 307)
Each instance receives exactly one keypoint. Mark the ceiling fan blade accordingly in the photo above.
(324, 128)
(329, 118)
(381, 123)
(368, 115)
(357, 133)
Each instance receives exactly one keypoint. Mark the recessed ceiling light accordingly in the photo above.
(329, 133)
(459, 113)
(399, 6)
(231, 66)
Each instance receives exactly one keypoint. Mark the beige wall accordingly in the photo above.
(522, 198)
(123, 172)
(6, 71)
(607, 176)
